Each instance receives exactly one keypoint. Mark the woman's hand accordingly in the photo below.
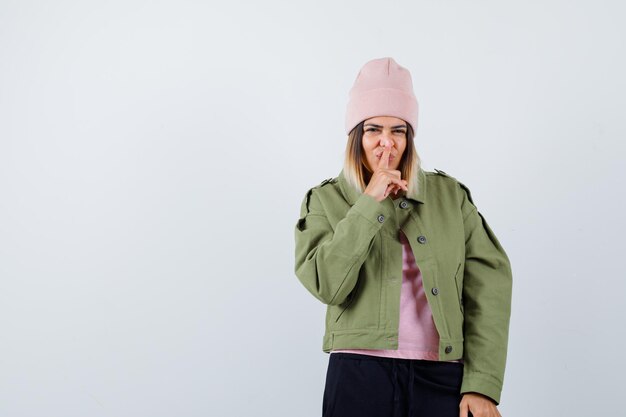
(479, 405)
(385, 180)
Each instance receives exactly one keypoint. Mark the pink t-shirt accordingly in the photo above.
(417, 334)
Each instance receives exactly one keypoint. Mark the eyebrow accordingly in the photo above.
(393, 127)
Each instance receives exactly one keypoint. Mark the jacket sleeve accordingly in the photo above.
(327, 260)
(487, 288)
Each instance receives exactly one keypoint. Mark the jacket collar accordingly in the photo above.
(352, 194)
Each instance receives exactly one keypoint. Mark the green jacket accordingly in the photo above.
(349, 256)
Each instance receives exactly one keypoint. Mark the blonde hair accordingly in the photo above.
(354, 167)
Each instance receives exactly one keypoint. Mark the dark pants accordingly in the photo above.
(365, 385)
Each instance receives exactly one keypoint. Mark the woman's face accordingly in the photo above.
(378, 131)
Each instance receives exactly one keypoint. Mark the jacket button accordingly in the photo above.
(448, 349)
(381, 218)
(421, 239)
(404, 204)
(435, 291)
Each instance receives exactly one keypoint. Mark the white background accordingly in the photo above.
(153, 157)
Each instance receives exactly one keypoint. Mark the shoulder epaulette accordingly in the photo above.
(440, 172)
(308, 194)
(331, 179)
(467, 190)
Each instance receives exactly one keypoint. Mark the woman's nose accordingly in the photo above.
(385, 141)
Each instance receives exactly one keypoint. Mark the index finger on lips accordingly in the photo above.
(384, 159)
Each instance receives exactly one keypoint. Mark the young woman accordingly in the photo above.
(417, 286)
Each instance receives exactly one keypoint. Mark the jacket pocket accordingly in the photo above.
(458, 280)
(351, 297)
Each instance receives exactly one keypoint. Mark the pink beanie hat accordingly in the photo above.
(382, 88)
